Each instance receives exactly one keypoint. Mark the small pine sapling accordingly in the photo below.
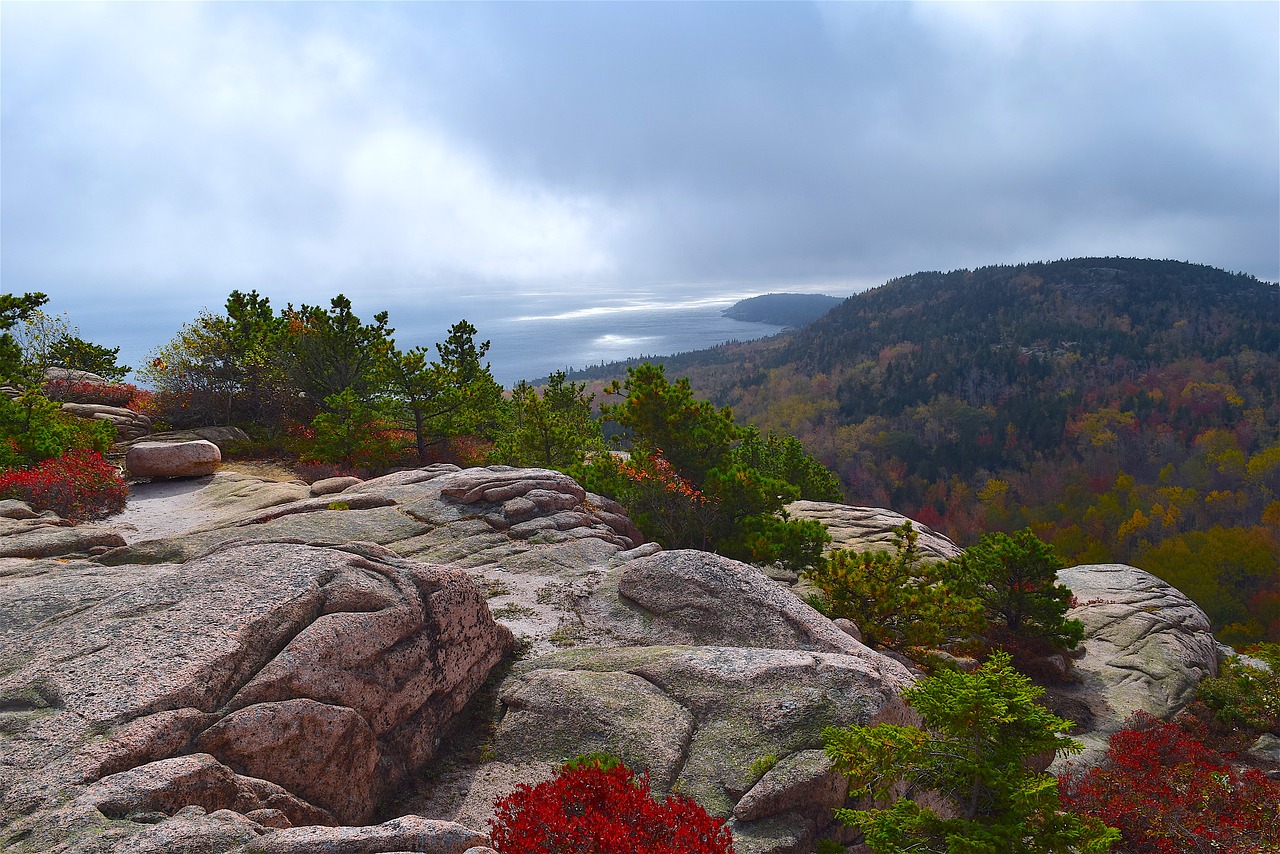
(982, 731)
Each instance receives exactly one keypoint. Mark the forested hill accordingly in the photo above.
(1099, 308)
(782, 309)
(1127, 409)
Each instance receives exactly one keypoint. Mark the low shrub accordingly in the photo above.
(79, 485)
(599, 807)
(1168, 793)
(1243, 696)
(109, 394)
(32, 428)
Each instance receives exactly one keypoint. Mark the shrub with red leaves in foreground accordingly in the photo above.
(596, 809)
(79, 485)
(1168, 793)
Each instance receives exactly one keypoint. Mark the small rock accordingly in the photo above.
(1266, 748)
(269, 818)
(173, 459)
(849, 627)
(12, 508)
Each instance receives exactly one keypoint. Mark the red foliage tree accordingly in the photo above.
(590, 809)
(1168, 793)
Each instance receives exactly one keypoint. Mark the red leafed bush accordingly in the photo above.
(590, 809)
(110, 394)
(79, 485)
(1168, 793)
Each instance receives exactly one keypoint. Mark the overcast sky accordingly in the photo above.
(157, 156)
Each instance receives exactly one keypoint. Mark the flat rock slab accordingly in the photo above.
(47, 540)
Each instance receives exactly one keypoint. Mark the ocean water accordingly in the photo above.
(530, 347)
(531, 337)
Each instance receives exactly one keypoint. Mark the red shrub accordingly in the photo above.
(593, 810)
(1169, 793)
(111, 394)
(79, 485)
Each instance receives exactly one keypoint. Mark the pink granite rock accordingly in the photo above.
(172, 459)
(324, 754)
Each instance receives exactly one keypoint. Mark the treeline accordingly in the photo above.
(323, 385)
(1126, 410)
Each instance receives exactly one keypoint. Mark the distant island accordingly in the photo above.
(789, 310)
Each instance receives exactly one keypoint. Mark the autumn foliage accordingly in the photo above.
(1169, 793)
(79, 485)
(1125, 410)
(598, 808)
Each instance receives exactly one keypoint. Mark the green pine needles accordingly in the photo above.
(982, 732)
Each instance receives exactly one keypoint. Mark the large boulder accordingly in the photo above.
(59, 374)
(1146, 648)
(700, 719)
(691, 597)
(331, 673)
(172, 459)
(868, 529)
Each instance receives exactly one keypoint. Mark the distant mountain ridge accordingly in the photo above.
(1104, 305)
(1127, 409)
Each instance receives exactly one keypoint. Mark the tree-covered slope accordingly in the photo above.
(1127, 409)
(782, 309)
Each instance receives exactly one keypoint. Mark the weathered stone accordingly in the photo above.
(333, 485)
(699, 597)
(52, 541)
(171, 784)
(1147, 646)
(326, 754)
(1266, 748)
(849, 627)
(57, 373)
(616, 713)
(223, 437)
(335, 674)
(745, 703)
(867, 529)
(805, 782)
(404, 834)
(399, 646)
(172, 459)
(129, 424)
(12, 508)
(362, 501)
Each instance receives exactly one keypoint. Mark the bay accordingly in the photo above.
(532, 336)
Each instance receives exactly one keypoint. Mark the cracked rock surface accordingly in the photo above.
(1147, 646)
(247, 665)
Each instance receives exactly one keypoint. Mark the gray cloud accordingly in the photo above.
(412, 152)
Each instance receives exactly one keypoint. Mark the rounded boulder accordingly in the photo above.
(172, 459)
